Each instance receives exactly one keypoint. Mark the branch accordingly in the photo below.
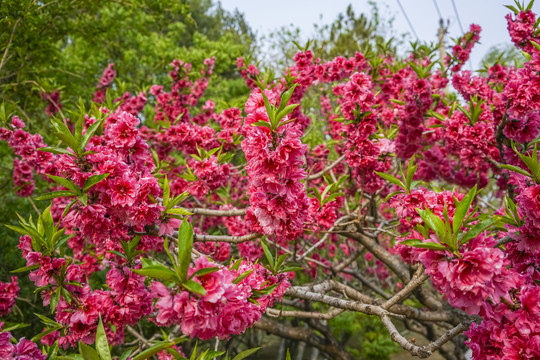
(212, 212)
(304, 314)
(417, 280)
(420, 351)
(326, 169)
(382, 254)
(324, 238)
(226, 238)
(4, 57)
(339, 303)
(302, 334)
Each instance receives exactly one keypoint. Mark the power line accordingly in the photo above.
(457, 15)
(438, 10)
(408, 21)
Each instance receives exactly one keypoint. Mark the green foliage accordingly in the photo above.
(364, 336)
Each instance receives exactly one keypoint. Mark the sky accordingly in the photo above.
(266, 16)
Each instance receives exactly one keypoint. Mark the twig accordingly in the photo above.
(420, 351)
(326, 169)
(332, 313)
(212, 212)
(417, 280)
(226, 238)
(134, 332)
(4, 57)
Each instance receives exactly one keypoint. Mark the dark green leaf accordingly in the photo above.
(391, 179)
(88, 352)
(55, 194)
(204, 271)
(423, 245)
(93, 180)
(102, 346)
(462, 208)
(194, 287)
(157, 272)
(56, 150)
(475, 231)
(68, 184)
(242, 276)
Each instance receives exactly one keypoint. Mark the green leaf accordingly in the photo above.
(185, 244)
(268, 254)
(391, 195)
(55, 298)
(516, 169)
(64, 134)
(68, 184)
(166, 192)
(47, 321)
(83, 199)
(242, 276)
(157, 272)
(102, 346)
(13, 326)
(42, 334)
(210, 355)
(204, 271)
(286, 97)
(291, 268)
(56, 194)
(288, 109)
(47, 221)
(262, 123)
(194, 287)
(178, 211)
(462, 208)
(88, 352)
(56, 150)
(411, 169)
(391, 179)
(475, 231)
(126, 353)
(269, 108)
(68, 207)
(90, 132)
(26, 268)
(417, 243)
(512, 8)
(435, 223)
(93, 180)
(280, 261)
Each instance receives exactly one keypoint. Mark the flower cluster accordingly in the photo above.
(226, 308)
(28, 159)
(277, 197)
(8, 294)
(23, 350)
(462, 50)
(104, 83)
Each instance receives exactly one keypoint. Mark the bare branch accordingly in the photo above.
(420, 351)
(213, 212)
(332, 313)
(417, 280)
(302, 334)
(226, 238)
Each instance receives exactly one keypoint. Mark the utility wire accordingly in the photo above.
(438, 10)
(408, 21)
(458, 19)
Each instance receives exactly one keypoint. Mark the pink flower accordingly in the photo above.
(8, 295)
